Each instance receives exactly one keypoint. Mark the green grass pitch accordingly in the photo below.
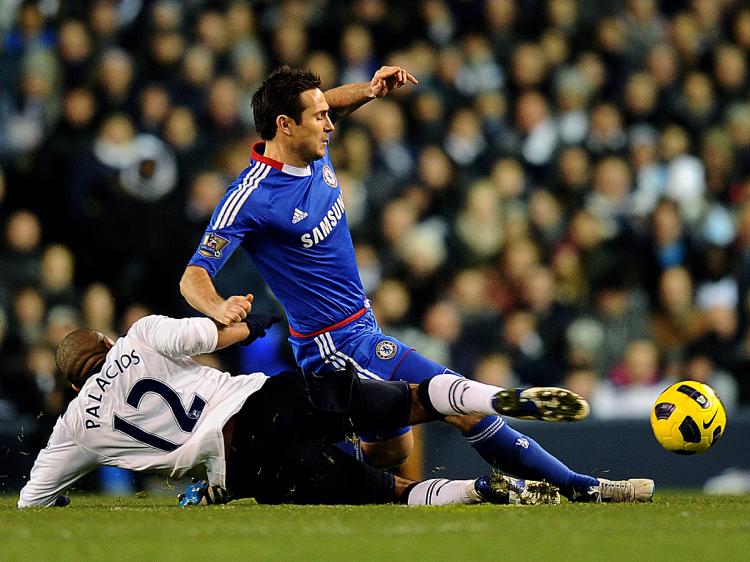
(677, 526)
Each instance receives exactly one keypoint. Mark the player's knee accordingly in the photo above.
(390, 453)
(463, 423)
(384, 458)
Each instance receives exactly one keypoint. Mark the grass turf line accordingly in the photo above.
(677, 526)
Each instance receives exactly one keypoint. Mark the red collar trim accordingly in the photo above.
(260, 147)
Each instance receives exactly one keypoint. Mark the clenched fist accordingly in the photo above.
(234, 309)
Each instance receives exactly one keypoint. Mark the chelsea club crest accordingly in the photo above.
(329, 177)
(386, 349)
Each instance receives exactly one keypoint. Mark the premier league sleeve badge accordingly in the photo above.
(212, 245)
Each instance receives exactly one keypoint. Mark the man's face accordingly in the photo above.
(310, 136)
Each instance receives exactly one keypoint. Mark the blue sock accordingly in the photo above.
(515, 453)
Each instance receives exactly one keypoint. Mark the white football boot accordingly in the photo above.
(617, 491)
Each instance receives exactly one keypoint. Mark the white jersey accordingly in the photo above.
(151, 408)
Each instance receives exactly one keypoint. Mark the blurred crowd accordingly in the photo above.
(563, 199)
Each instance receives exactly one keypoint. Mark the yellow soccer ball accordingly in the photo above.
(688, 418)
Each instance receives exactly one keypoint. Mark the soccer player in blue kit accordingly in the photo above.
(287, 212)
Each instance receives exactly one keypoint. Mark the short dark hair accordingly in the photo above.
(79, 354)
(279, 95)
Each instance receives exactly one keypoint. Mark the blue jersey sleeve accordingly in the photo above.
(234, 220)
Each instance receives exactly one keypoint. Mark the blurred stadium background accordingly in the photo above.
(564, 199)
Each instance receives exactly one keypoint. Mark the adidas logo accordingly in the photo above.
(298, 216)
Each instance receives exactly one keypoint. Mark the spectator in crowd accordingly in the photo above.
(20, 255)
(480, 332)
(29, 311)
(98, 309)
(553, 317)
(57, 160)
(571, 96)
(668, 244)
(632, 385)
(57, 271)
(479, 225)
(699, 366)
(622, 317)
(115, 80)
(676, 321)
(495, 369)
(530, 359)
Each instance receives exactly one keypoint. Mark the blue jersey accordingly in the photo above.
(292, 223)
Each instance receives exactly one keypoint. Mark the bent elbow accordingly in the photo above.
(184, 285)
(187, 281)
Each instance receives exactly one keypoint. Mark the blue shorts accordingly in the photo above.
(371, 353)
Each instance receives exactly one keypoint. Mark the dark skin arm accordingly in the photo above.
(229, 335)
(346, 99)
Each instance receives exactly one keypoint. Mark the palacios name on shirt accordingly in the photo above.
(110, 371)
(330, 220)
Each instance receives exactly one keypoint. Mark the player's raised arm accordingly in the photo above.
(345, 99)
(180, 337)
(199, 291)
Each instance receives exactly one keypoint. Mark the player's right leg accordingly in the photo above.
(499, 444)
(375, 355)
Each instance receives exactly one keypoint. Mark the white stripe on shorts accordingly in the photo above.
(361, 371)
(327, 355)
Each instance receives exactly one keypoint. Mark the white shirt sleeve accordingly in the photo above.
(57, 467)
(176, 338)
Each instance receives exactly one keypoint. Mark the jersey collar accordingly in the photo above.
(257, 155)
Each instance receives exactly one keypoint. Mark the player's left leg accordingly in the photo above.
(495, 441)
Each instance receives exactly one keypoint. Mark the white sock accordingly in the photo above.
(439, 491)
(452, 395)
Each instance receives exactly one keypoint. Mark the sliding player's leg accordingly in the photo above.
(495, 441)
(282, 452)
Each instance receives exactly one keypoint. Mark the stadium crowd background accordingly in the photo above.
(563, 199)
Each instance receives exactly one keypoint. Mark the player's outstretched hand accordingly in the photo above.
(234, 309)
(258, 324)
(389, 77)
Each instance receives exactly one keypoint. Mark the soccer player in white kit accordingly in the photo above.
(144, 404)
